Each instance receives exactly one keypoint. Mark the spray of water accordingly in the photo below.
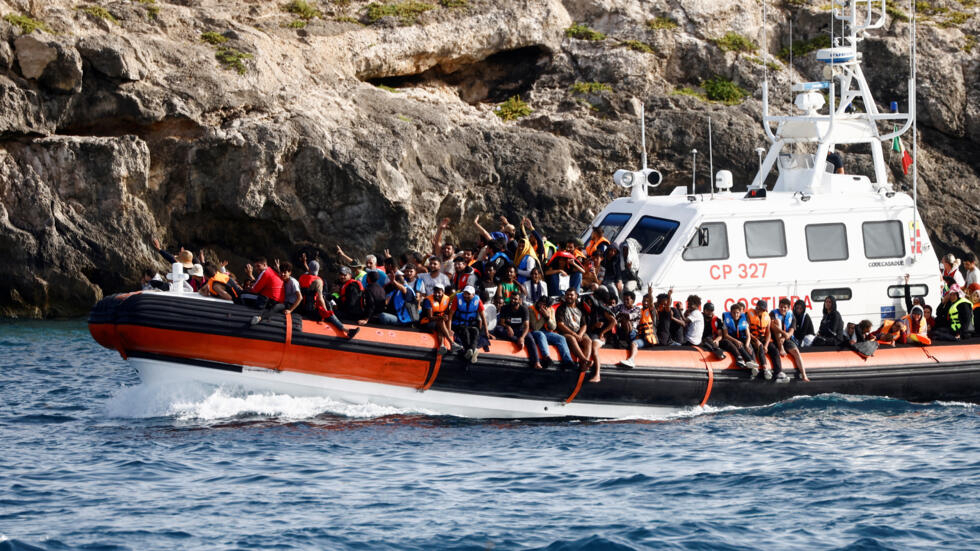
(198, 402)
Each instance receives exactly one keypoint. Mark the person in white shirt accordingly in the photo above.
(434, 276)
(693, 322)
(972, 272)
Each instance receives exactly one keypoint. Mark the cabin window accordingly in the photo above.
(883, 239)
(898, 291)
(653, 233)
(820, 295)
(717, 247)
(611, 225)
(765, 239)
(826, 242)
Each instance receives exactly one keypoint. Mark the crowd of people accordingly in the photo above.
(578, 297)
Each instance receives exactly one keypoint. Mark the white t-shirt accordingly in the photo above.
(430, 282)
(972, 276)
(694, 332)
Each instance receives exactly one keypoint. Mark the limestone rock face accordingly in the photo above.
(235, 127)
(50, 61)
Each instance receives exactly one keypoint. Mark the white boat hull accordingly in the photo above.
(430, 402)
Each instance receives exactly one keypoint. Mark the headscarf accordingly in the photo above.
(526, 249)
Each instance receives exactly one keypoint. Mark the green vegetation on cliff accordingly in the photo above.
(734, 42)
(27, 24)
(512, 109)
(407, 12)
(584, 32)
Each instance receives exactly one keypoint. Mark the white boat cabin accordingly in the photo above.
(812, 233)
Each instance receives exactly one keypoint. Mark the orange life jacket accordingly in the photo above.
(438, 307)
(223, 279)
(923, 330)
(594, 244)
(758, 323)
(646, 328)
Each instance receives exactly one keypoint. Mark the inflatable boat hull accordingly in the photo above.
(172, 337)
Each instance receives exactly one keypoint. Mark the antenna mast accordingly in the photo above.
(915, 142)
(711, 161)
(643, 134)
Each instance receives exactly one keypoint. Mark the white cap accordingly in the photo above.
(469, 289)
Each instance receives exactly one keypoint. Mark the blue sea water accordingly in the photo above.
(92, 459)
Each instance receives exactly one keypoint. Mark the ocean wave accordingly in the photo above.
(198, 402)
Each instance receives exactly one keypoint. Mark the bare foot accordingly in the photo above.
(806, 379)
(537, 366)
(594, 379)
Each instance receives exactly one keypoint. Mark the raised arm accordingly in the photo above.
(343, 256)
(437, 239)
(481, 229)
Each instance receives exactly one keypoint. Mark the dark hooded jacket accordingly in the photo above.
(831, 327)
(801, 322)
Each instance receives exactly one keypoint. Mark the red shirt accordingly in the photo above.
(269, 285)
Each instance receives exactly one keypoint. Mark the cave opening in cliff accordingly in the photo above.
(493, 79)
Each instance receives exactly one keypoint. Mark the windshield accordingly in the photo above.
(789, 161)
(611, 225)
(653, 234)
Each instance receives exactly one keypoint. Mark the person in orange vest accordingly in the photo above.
(636, 326)
(435, 317)
(891, 332)
(759, 327)
(596, 242)
(917, 329)
(219, 285)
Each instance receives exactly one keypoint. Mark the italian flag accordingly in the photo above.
(906, 158)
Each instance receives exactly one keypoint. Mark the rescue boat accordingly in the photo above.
(169, 337)
(810, 234)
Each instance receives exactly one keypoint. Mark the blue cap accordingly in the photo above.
(894, 107)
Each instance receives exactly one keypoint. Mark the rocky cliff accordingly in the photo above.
(253, 127)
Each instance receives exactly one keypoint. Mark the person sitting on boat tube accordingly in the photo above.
(402, 301)
(514, 326)
(265, 290)
(571, 325)
(760, 326)
(694, 328)
(635, 327)
(735, 338)
(663, 319)
(600, 322)
(435, 317)
(831, 331)
(712, 325)
(352, 303)
(803, 333)
(219, 285)
(890, 333)
(468, 319)
(783, 328)
(543, 325)
(917, 330)
(954, 320)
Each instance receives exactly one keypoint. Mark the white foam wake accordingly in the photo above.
(199, 402)
(685, 413)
